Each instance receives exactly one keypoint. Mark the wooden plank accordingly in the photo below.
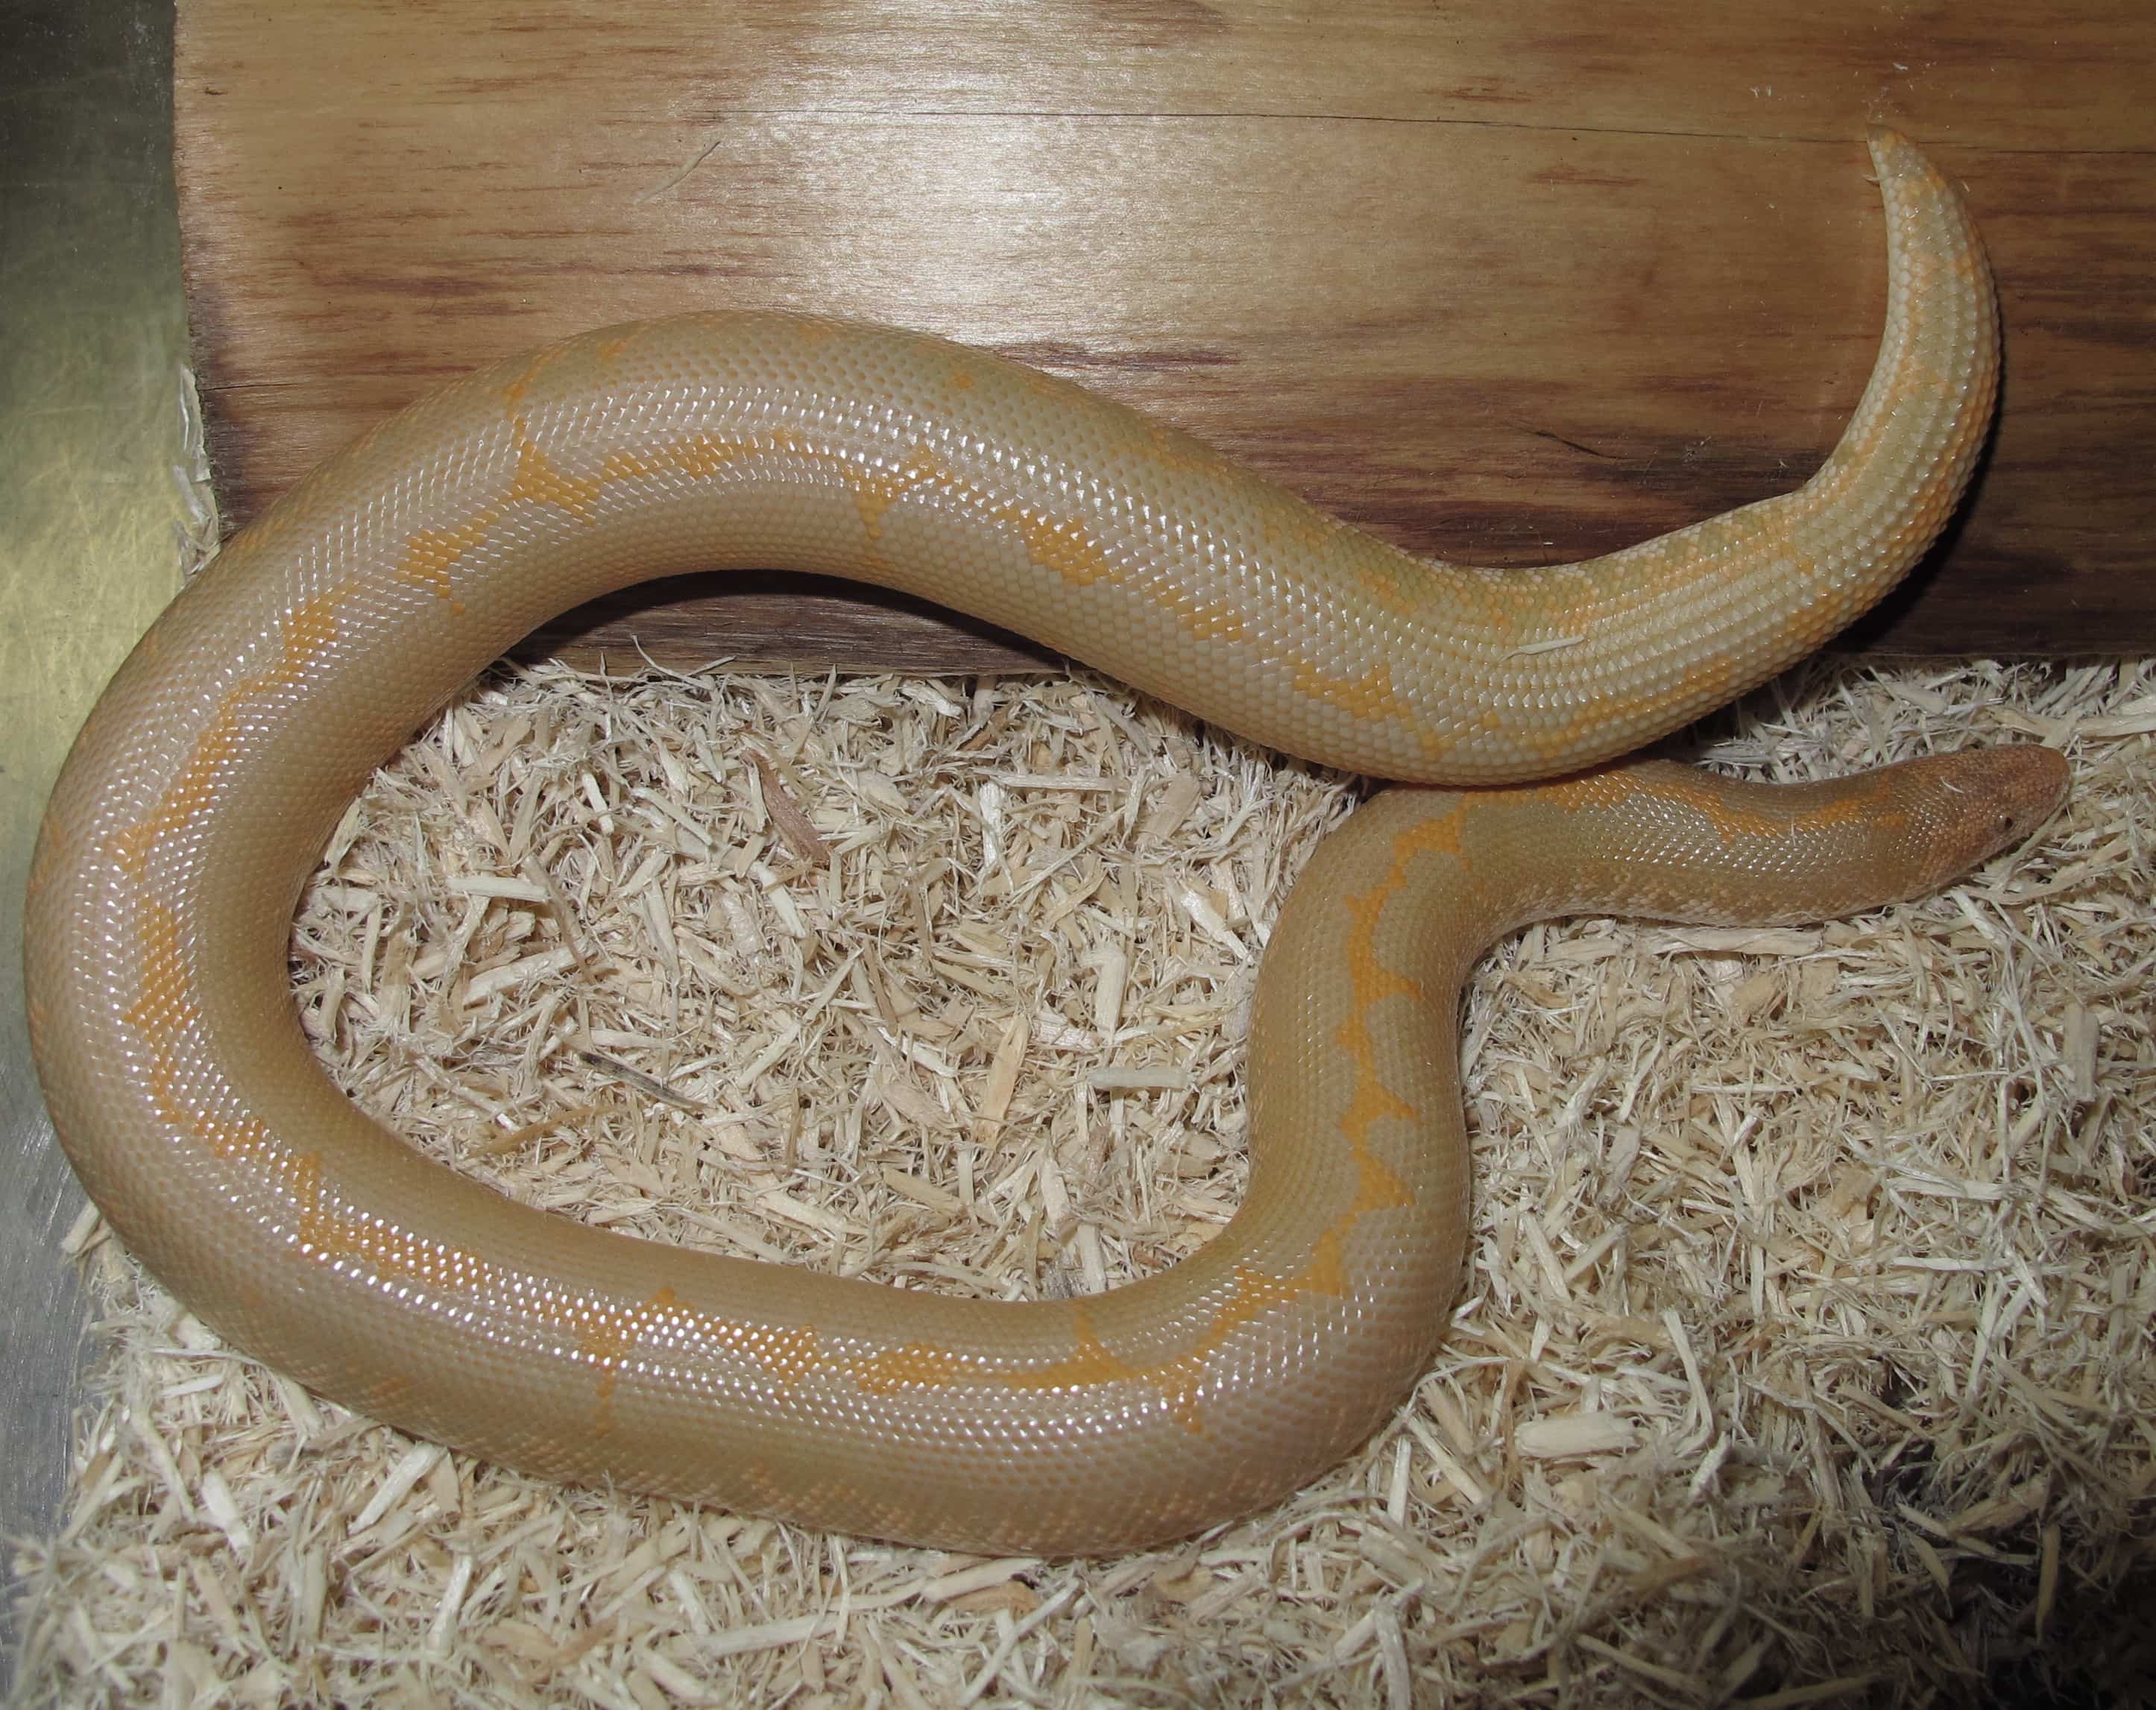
(1504, 290)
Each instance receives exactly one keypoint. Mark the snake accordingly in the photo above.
(1500, 706)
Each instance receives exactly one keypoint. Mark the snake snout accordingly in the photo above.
(2028, 784)
(1988, 799)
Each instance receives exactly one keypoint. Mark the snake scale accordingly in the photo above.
(207, 780)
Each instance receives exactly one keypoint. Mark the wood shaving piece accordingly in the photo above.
(1167, 1078)
(648, 1085)
(995, 1099)
(794, 825)
(1576, 1434)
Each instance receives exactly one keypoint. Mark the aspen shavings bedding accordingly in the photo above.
(1805, 1356)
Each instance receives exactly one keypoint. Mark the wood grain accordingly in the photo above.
(1504, 290)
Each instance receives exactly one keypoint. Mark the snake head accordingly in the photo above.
(1968, 806)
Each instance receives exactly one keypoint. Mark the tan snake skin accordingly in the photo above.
(205, 782)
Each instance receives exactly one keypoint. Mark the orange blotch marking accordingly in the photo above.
(1326, 1271)
(1377, 1186)
(1437, 835)
(1371, 982)
(1181, 1381)
(1728, 818)
(515, 393)
(877, 490)
(1393, 586)
(627, 466)
(1282, 518)
(164, 1006)
(1372, 1102)
(311, 629)
(1559, 745)
(1060, 544)
(604, 1336)
(1711, 677)
(1088, 1362)
(190, 795)
(1708, 681)
(789, 1355)
(1436, 743)
(165, 1013)
(162, 1016)
(706, 454)
(1063, 547)
(304, 1181)
(1370, 696)
(1213, 620)
(608, 351)
(916, 1365)
(1731, 820)
(1164, 447)
(431, 555)
(162, 1012)
(924, 1365)
(540, 481)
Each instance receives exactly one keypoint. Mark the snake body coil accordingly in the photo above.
(205, 782)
